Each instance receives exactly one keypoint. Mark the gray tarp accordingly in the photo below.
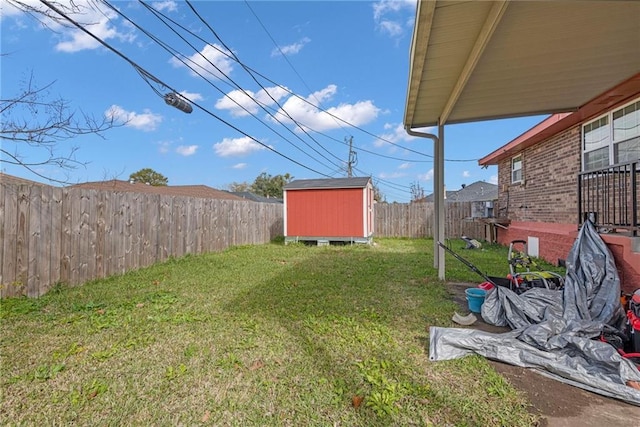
(553, 331)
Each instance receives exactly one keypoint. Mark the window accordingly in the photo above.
(626, 133)
(613, 138)
(516, 169)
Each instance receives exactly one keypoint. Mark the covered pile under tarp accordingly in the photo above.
(556, 332)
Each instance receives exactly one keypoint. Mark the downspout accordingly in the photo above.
(438, 193)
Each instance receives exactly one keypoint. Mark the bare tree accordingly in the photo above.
(47, 16)
(417, 192)
(35, 122)
(239, 187)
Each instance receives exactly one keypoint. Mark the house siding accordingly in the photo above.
(549, 190)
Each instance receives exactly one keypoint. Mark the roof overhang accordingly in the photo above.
(556, 123)
(481, 60)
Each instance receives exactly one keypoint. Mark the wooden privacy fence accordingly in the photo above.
(52, 235)
(416, 220)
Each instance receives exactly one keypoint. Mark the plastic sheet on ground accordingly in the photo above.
(553, 331)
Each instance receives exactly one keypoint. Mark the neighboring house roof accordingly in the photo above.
(200, 191)
(479, 60)
(308, 184)
(254, 197)
(429, 198)
(558, 123)
(479, 191)
(10, 179)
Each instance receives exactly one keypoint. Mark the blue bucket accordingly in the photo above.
(475, 298)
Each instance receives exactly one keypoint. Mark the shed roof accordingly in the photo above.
(479, 60)
(200, 191)
(308, 184)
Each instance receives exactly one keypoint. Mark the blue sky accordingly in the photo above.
(293, 82)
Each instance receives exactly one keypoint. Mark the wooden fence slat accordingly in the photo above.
(88, 234)
(77, 253)
(7, 233)
(36, 241)
(135, 219)
(2, 236)
(121, 242)
(46, 229)
(164, 228)
(55, 243)
(9, 242)
(22, 238)
(151, 217)
(100, 231)
(109, 209)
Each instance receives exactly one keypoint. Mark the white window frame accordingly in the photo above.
(608, 142)
(517, 159)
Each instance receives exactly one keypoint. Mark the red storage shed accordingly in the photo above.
(326, 210)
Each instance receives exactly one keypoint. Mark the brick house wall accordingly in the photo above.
(545, 205)
(549, 192)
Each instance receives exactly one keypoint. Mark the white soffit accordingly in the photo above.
(480, 60)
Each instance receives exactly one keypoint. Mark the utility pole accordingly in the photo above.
(353, 157)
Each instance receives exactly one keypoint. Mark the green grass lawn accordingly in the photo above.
(255, 336)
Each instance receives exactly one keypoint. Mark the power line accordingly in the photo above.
(179, 57)
(247, 69)
(286, 58)
(151, 76)
(253, 77)
(252, 72)
(235, 58)
(152, 80)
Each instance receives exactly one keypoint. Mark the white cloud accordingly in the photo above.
(8, 9)
(466, 174)
(168, 5)
(163, 146)
(310, 117)
(194, 97)
(493, 179)
(187, 150)
(392, 28)
(384, 7)
(291, 49)
(212, 59)
(239, 166)
(236, 147)
(391, 175)
(404, 166)
(426, 176)
(235, 100)
(394, 17)
(146, 121)
(394, 133)
(93, 16)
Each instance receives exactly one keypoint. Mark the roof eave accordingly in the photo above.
(616, 96)
(422, 29)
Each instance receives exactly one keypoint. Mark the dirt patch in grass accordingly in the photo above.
(557, 403)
